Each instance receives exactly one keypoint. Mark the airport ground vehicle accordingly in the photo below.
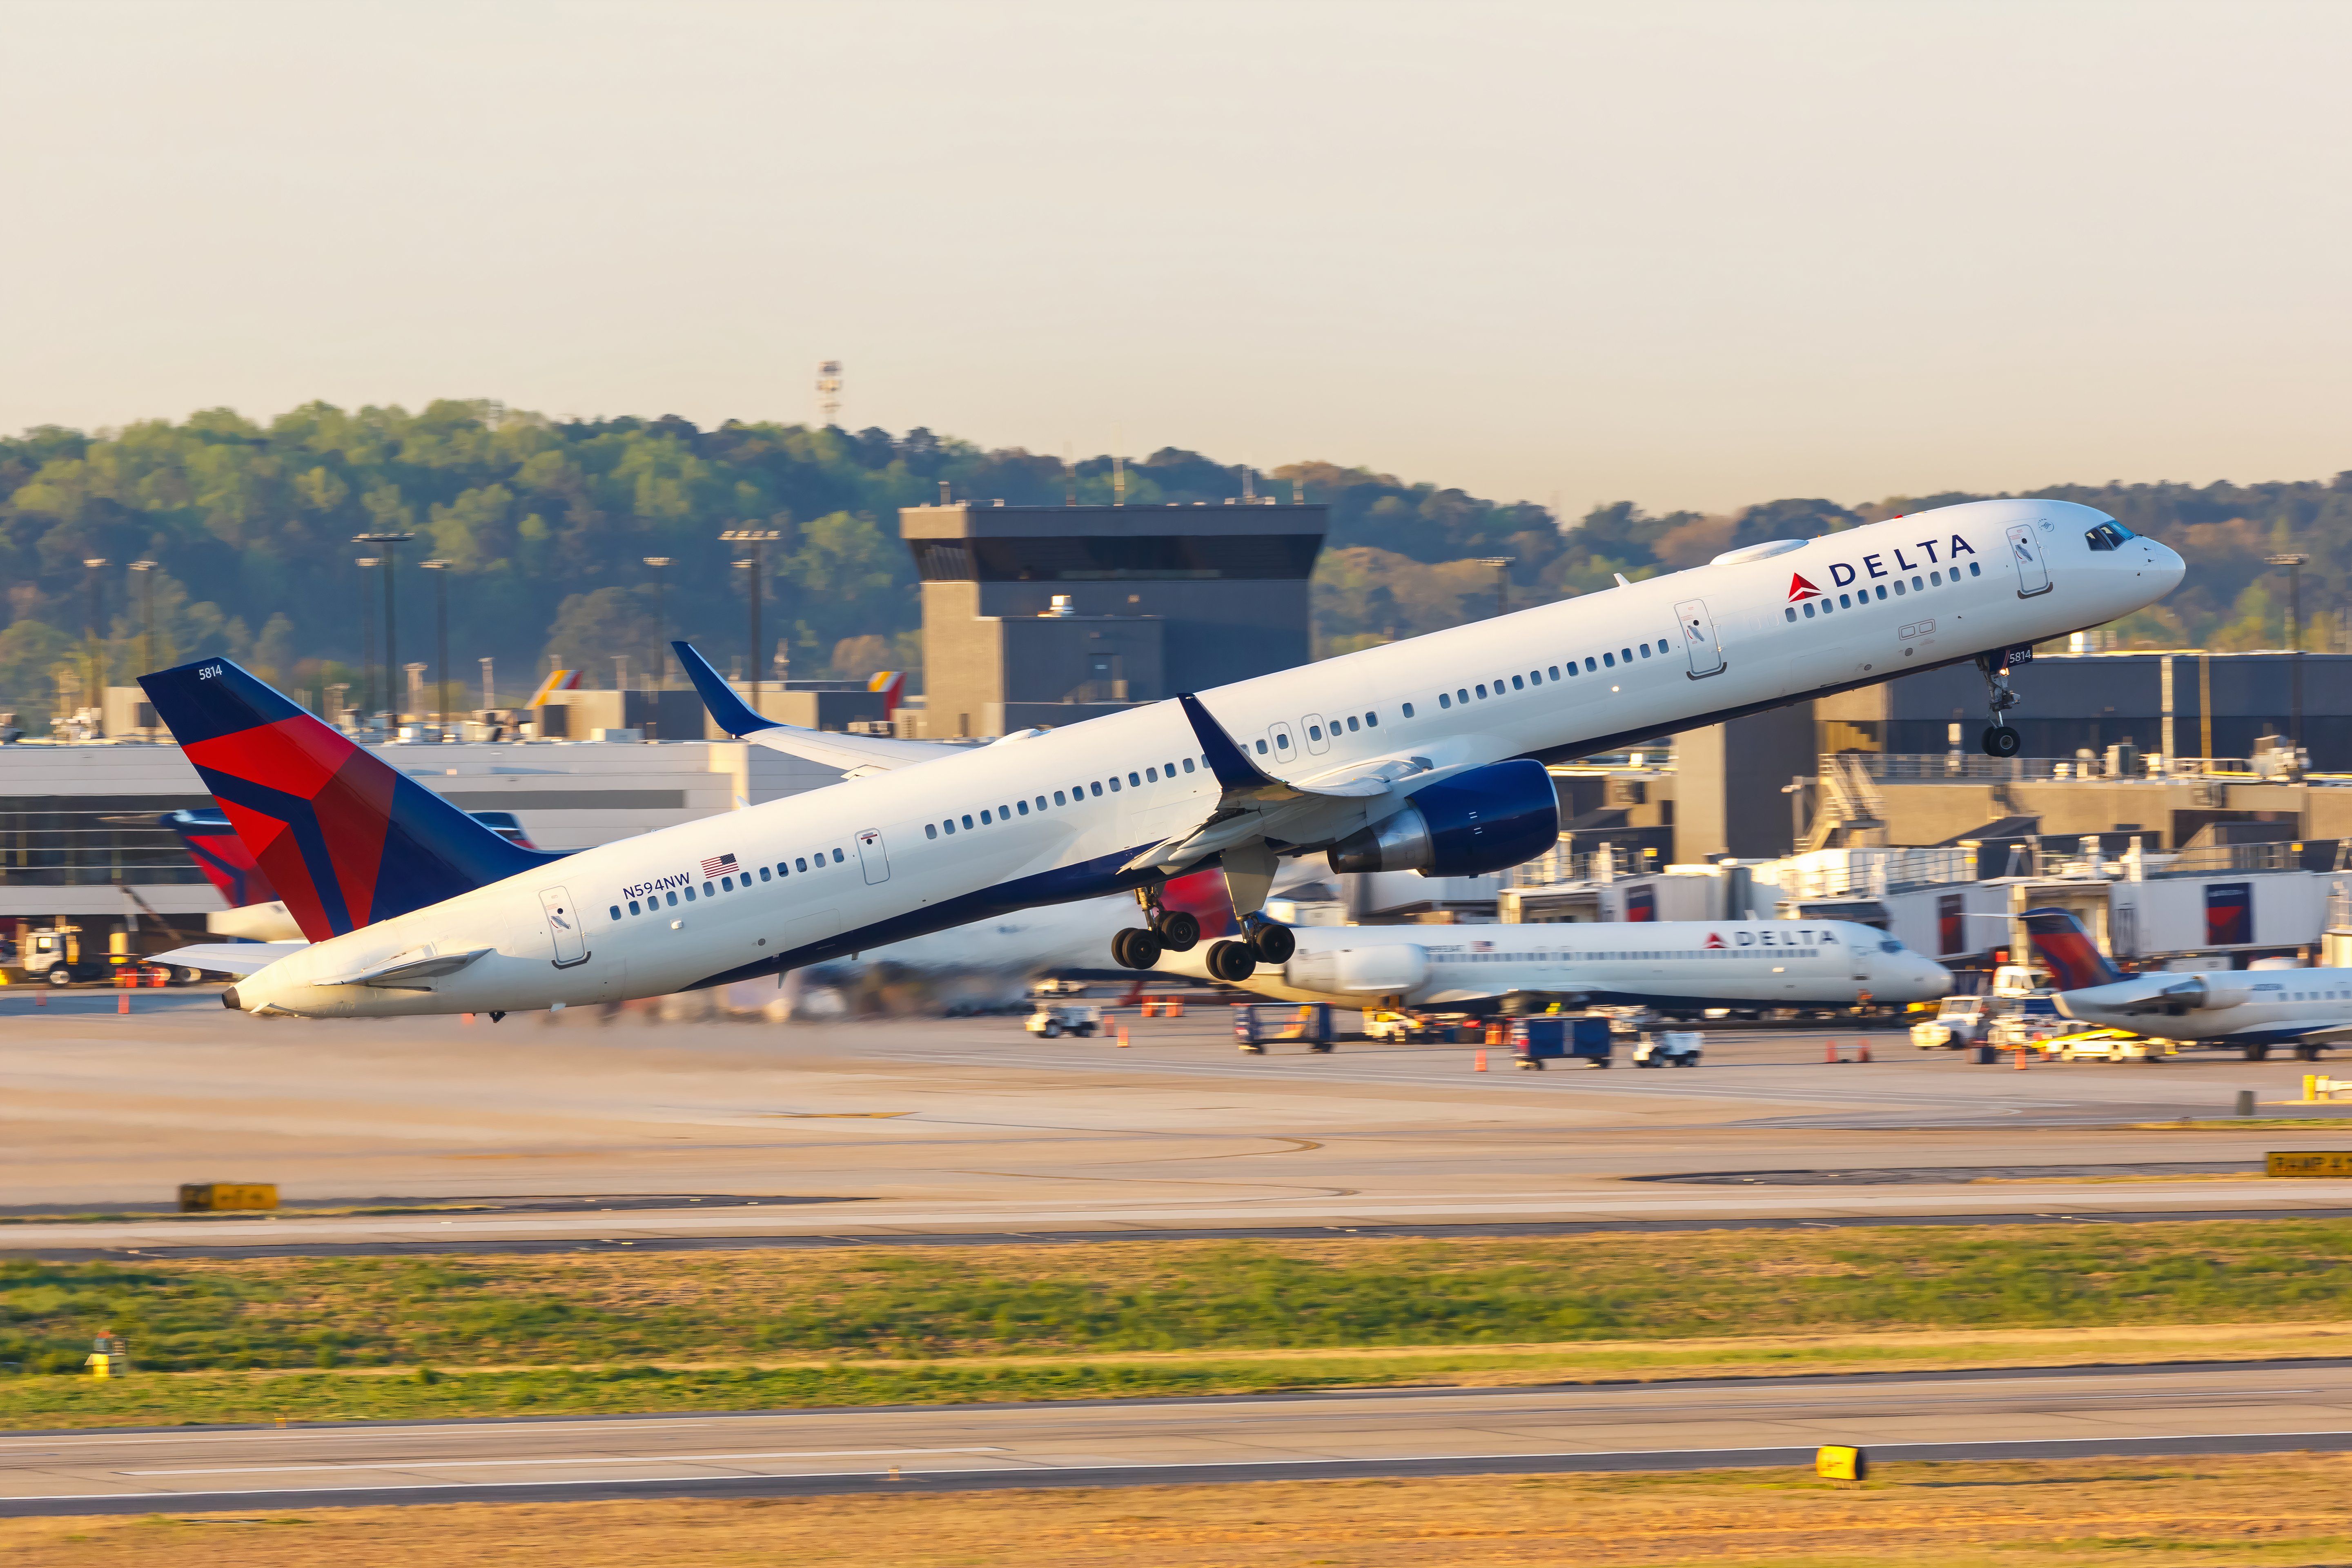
(1053, 1019)
(1256, 1024)
(1379, 1025)
(2026, 1021)
(1670, 1049)
(1535, 1041)
(2107, 1046)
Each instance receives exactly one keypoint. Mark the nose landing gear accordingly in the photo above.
(2001, 739)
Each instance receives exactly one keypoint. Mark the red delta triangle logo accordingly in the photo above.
(1715, 940)
(1800, 589)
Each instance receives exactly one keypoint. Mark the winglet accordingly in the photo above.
(731, 712)
(1227, 761)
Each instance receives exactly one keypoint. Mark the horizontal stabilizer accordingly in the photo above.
(404, 972)
(229, 957)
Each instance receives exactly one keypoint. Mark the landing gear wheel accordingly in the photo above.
(2306, 1053)
(1272, 942)
(1178, 932)
(1134, 948)
(2001, 740)
(1232, 961)
(2256, 1053)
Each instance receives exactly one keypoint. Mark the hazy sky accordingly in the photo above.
(1689, 254)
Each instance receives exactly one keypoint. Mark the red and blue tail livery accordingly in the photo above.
(2074, 960)
(344, 839)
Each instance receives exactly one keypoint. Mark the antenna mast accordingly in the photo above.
(828, 393)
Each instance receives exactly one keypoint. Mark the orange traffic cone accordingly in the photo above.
(1829, 1050)
(2021, 1058)
(122, 1004)
(1478, 1062)
(1122, 1037)
(1865, 1054)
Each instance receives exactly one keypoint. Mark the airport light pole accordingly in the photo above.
(2293, 562)
(440, 570)
(146, 569)
(759, 539)
(1502, 565)
(661, 621)
(392, 543)
(367, 636)
(95, 564)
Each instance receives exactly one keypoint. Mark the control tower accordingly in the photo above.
(1050, 615)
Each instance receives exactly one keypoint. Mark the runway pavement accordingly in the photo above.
(2236, 1408)
(914, 1129)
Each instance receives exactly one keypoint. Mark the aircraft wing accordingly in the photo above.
(1252, 804)
(229, 957)
(852, 753)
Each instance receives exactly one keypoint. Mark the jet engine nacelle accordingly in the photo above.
(1471, 824)
(2206, 991)
(1389, 970)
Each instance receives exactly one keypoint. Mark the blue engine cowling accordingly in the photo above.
(1471, 824)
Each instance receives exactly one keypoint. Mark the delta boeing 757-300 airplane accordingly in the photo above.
(1422, 756)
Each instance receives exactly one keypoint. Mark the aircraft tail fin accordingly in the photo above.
(344, 839)
(221, 856)
(2074, 960)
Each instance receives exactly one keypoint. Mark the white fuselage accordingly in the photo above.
(2257, 1007)
(1059, 816)
(1689, 964)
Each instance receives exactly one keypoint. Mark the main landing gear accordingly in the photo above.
(1164, 931)
(2001, 739)
(1260, 940)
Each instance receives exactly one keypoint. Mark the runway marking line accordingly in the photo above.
(410, 1464)
(1045, 1469)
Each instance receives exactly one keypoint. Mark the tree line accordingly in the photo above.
(544, 526)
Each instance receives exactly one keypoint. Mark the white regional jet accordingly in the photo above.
(2252, 1009)
(1677, 966)
(1422, 756)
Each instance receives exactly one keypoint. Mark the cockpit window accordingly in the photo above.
(2108, 536)
(1890, 945)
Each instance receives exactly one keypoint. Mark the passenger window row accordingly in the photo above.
(727, 883)
(989, 816)
(1315, 731)
(1558, 672)
(1918, 585)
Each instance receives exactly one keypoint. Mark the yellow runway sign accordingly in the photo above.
(2323, 1163)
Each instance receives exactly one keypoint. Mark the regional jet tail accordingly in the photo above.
(1424, 756)
(2253, 1009)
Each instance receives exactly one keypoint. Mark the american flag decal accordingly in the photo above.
(723, 866)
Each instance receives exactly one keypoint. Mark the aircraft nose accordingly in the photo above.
(2165, 564)
(1935, 980)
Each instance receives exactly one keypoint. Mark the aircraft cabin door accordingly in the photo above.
(1317, 741)
(872, 856)
(1699, 641)
(563, 925)
(2033, 571)
(1286, 750)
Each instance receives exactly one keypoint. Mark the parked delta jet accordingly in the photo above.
(1683, 967)
(1424, 756)
(2253, 1009)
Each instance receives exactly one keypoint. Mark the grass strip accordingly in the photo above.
(941, 1321)
(2288, 1511)
(423, 1393)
